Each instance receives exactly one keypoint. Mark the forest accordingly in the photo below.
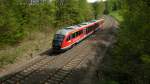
(20, 17)
(24, 23)
(129, 57)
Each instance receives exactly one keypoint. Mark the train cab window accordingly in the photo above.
(59, 37)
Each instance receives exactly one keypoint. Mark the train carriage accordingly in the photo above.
(67, 37)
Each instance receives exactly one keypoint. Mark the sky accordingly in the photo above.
(91, 1)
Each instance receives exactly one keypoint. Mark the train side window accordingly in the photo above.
(81, 31)
(93, 27)
(73, 35)
(77, 33)
(69, 38)
(87, 29)
(96, 25)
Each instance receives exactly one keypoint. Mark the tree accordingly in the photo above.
(113, 5)
(66, 12)
(10, 30)
(19, 17)
(131, 56)
(85, 10)
(99, 8)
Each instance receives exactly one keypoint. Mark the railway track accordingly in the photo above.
(27, 71)
(51, 69)
(24, 76)
(63, 73)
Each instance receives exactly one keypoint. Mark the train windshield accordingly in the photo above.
(59, 37)
(58, 40)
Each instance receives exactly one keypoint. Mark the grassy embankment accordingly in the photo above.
(18, 17)
(35, 43)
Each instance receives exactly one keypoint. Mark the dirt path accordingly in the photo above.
(70, 67)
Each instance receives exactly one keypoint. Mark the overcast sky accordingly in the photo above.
(91, 1)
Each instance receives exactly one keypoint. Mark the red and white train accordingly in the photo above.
(65, 38)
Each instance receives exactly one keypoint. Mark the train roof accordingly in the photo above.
(65, 30)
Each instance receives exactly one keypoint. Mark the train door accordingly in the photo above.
(84, 32)
(69, 40)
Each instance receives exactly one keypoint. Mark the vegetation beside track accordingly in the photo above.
(23, 25)
(117, 15)
(129, 60)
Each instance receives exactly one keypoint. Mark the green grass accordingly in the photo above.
(117, 15)
(34, 44)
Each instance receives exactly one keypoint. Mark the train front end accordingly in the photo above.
(57, 42)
